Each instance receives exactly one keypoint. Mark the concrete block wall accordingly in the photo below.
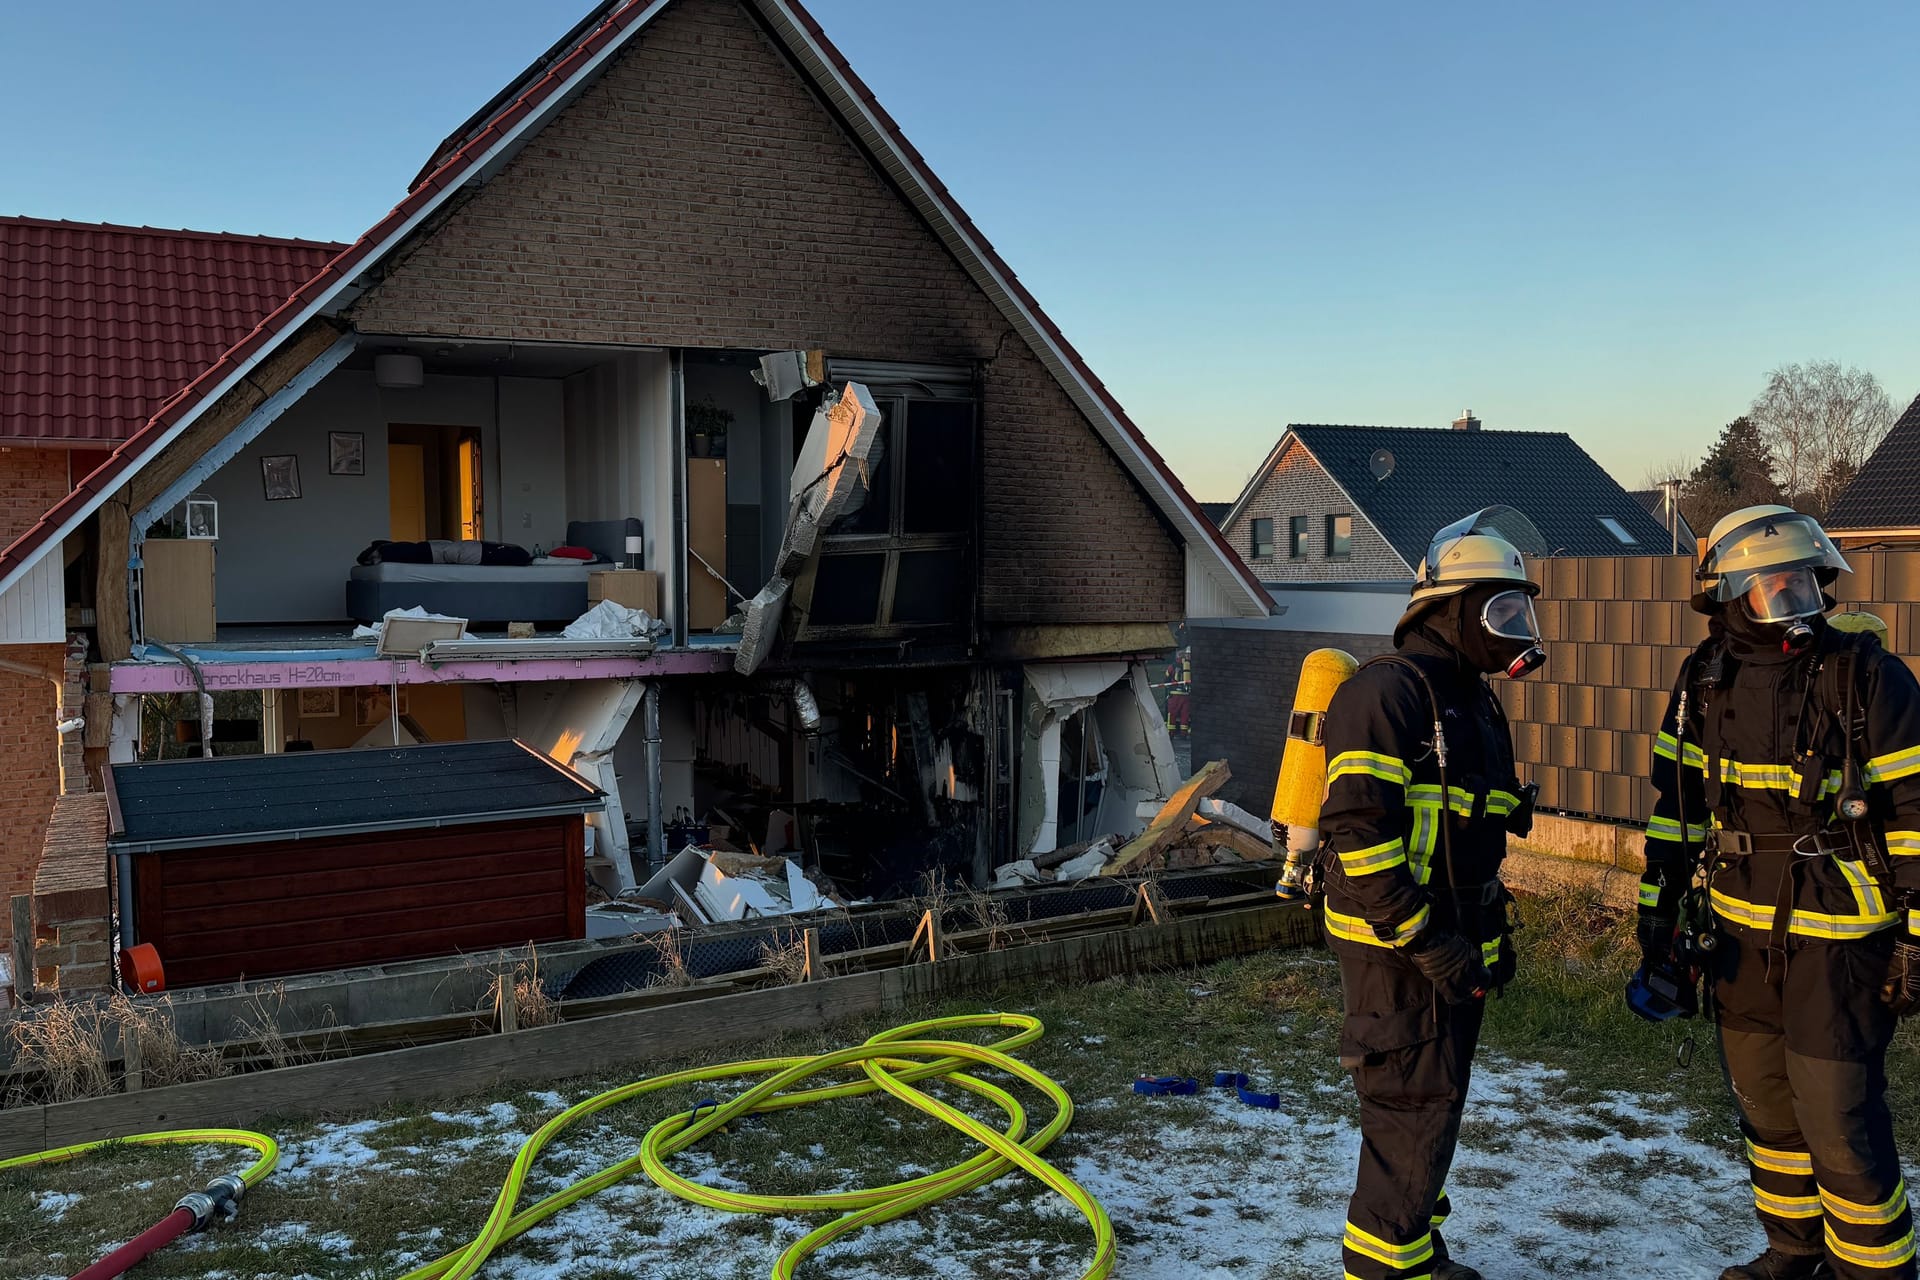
(1243, 685)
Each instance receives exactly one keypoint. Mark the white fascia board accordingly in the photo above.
(1259, 478)
(319, 306)
(948, 224)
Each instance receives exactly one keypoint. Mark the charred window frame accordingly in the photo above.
(905, 562)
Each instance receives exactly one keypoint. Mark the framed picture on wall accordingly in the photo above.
(319, 704)
(346, 453)
(369, 706)
(280, 476)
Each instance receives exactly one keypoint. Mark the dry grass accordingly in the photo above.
(670, 946)
(259, 1022)
(532, 1006)
(63, 1046)
(164, 1057)
(786, 956)
(988, 914)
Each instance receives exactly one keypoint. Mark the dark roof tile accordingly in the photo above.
(1886, 493)
(1439, 475)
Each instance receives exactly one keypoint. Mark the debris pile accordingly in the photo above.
(1194, 830)
(706, 886)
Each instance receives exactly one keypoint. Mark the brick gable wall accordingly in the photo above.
(1297, 485)
(31, 481)
(698, 195)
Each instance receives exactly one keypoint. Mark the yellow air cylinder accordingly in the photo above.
(1860, 620)
(1303, 766)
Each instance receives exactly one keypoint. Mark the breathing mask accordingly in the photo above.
(1508, 618)
(1785, 601)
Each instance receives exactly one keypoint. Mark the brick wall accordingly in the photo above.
(71, 902)
(698, 195)
(1243, 682)
(29, 765)
(31, 480)
(1296, 485)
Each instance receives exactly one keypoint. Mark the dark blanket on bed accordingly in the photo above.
(445, 551)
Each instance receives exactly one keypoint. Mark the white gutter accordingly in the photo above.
(528, 124)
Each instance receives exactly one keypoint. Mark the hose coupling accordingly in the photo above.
(200, 1205)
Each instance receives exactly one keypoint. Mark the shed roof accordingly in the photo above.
(305, 795)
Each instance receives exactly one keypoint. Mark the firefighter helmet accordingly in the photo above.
(1467, 553)
(1753, 542)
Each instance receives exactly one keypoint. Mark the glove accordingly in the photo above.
(1451, 964)
(1902, 988)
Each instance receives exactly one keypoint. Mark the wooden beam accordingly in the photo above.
(358, 1085)
(113, 617)
(1171, 822)
(22, 947)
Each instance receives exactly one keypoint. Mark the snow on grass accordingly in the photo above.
(54, 1204)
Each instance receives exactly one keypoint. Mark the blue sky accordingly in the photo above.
(1607, 219)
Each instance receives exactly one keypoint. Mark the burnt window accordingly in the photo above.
(905, 558)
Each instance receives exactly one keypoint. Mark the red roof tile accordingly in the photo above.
(100, 324)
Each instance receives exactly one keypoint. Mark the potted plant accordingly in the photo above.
(707, 425)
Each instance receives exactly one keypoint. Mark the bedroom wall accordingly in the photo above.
(287, 561)
(619, 453)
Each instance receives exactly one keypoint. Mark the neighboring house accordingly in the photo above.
(1335, 521)
(1216, 512)
(1881, 508)
(555, 337)
(1359, 504)
(98, 326)
(1660, 505)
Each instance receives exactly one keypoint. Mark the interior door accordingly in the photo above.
(406, 493)
(468, 469)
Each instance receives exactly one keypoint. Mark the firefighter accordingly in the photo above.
(1783, 860)
(1421, 795)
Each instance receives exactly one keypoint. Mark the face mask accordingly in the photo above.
(1784, 596)
(1793, 636)
(1508, 619)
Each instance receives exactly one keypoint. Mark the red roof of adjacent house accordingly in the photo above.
(100, 324)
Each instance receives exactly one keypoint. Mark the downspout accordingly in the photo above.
(21, 668)
(656, 780)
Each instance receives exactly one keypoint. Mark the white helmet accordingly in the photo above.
(1478, 549)
(1766, 540)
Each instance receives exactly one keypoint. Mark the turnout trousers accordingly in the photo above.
(1804, 1042)
(1410, 1058)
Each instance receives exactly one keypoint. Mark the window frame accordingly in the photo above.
(1299, 537)
(1619, 531)
(1345, 553)
(1254, 541)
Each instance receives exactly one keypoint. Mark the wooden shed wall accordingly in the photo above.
(260, 910)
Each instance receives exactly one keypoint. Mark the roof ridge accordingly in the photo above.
(122, 228)
(1477, 431)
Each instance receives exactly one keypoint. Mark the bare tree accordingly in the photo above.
(1820, 422)
(1658, 473)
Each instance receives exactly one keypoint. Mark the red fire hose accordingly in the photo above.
(152, 1240)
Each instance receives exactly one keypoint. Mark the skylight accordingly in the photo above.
(1618, 530)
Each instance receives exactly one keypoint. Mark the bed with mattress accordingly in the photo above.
(491, 593)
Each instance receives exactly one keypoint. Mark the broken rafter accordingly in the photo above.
(1171, 822)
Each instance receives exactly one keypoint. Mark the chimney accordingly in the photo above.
(1466, 421)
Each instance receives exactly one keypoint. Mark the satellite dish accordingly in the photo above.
(1381, 464)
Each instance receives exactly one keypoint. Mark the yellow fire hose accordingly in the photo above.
(894, 1062)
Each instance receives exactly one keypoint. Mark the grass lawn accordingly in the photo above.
(1586, 1146)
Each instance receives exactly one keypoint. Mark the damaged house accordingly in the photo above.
(715, 455)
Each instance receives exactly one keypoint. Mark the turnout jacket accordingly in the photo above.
(1386, 867)
(1761, 755)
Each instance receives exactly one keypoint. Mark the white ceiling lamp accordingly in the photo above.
(398, 372)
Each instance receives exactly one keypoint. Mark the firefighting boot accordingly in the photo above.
(1451, 1270)
(1775, 1265)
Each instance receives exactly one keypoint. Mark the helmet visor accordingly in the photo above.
(1781, 595)
(1509, 615)
(1767, 544)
